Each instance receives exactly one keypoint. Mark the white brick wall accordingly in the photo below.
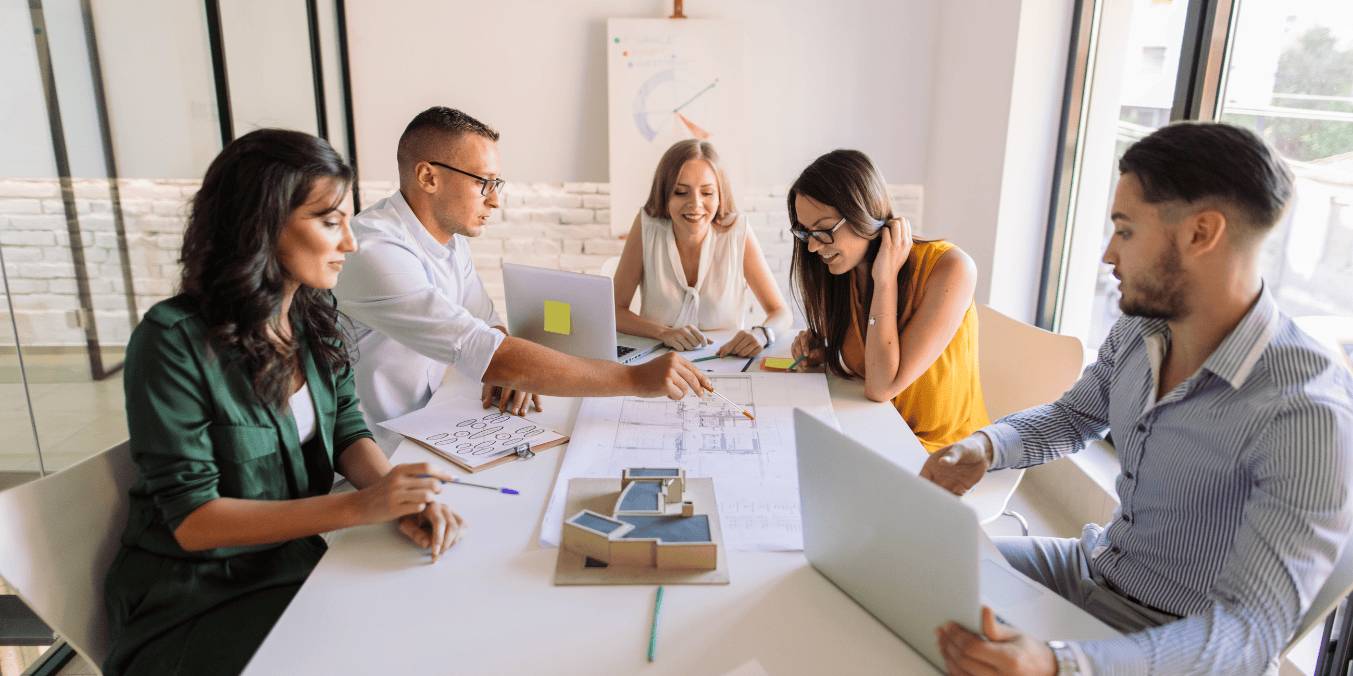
(555, 225)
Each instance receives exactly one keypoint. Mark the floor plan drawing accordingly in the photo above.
(752, 461)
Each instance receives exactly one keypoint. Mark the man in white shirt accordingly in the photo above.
(417, 306)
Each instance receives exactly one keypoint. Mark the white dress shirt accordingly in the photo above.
(413, 307)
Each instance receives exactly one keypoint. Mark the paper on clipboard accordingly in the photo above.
(464, 432)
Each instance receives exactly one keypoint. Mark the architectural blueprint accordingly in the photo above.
(753, 462)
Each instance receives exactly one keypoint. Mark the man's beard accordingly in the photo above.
(1160, 293)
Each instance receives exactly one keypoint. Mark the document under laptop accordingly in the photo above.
(570, 312)
(910, 552)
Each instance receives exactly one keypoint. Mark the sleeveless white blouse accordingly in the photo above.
(718, 300)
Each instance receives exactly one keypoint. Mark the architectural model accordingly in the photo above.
(652, 525)
(755, 460)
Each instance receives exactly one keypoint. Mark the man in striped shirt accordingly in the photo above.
(1233, 427)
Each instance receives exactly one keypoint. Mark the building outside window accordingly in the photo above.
(1286, 71)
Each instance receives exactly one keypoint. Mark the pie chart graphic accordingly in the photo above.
(668, 108)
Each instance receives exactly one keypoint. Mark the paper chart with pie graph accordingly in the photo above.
(754, 463)
(670, 80)
(464, 431)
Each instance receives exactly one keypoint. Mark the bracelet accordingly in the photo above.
(872, 317)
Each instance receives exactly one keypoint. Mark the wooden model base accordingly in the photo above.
(599, 495)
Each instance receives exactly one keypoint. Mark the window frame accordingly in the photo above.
(1199, 90)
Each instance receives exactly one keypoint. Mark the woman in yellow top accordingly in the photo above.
(883, 305)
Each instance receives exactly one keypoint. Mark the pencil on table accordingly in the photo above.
(730, 403)
(500, 489)
(653, 635)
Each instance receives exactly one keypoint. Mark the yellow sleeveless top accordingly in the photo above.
(945, 403)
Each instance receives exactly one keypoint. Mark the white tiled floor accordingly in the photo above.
(74, 420)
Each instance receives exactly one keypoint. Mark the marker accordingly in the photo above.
(653, 636)
(509, 491)
(796, 362)
(730, 403)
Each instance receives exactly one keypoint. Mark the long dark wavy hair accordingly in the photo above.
(848, 181)
(232, 275)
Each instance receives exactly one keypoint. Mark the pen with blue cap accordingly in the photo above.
(509, 491)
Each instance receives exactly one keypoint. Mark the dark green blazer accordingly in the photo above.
(197, 434)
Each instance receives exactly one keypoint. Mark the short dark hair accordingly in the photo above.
(432, 127)
(1193, 161)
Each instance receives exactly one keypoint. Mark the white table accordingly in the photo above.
(375, 605)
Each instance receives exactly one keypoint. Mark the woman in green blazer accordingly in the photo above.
(240, 406)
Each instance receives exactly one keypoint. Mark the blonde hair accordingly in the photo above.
(669, 167)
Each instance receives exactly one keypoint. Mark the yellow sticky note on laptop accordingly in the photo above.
(557, 317)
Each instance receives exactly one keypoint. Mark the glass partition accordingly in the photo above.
(109, 120)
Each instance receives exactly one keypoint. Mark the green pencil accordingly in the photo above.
(707, 358)
(796, 363)
(653, 637)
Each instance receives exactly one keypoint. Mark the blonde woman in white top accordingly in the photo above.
(695, 257)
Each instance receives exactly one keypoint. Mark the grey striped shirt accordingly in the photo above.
(1234, 487)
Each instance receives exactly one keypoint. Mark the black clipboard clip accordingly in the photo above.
(523, 450)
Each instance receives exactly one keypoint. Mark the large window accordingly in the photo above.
(1282, 68)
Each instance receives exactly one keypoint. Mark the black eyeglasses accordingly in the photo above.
(824, 236)
(489, 186)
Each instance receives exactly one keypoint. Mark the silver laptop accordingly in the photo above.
(908, 551)
(570, 312)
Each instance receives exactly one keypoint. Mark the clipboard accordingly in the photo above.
(473, 438)
(524, 451)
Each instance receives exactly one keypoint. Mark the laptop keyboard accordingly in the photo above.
(622, 350)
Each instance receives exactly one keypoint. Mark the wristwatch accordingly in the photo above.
(1066, 659)
(770, 335)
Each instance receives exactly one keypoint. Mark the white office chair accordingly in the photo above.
(1020, 366)
(1334, 591)
(58, 536)
(1335, 650)
(1329, 329)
